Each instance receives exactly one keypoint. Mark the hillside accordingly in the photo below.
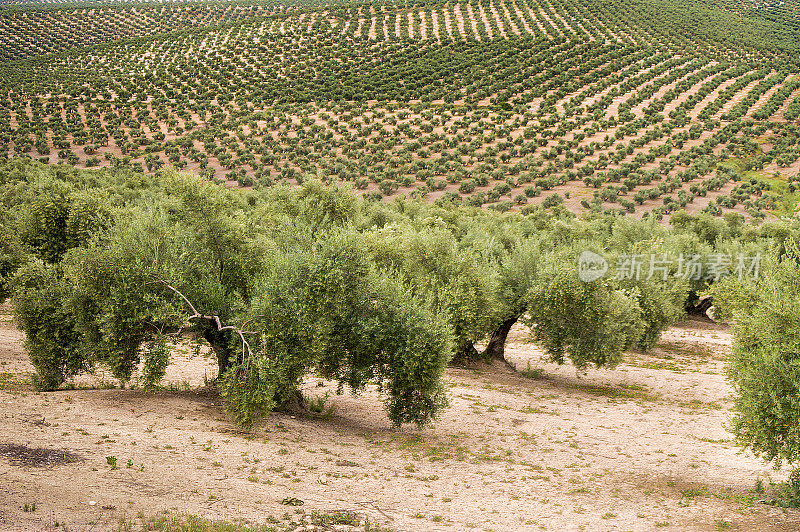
(631, 106)
(557, 291)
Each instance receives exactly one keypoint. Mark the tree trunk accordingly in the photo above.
(496, 347)
(701, 306)
(465, 354)
(295, 404)
(221, 345)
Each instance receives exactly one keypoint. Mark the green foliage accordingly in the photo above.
(589, 323)
(58, 217)
(330, 309)
(108, 267)
(461, 285)
(518, 271)
(369, 327)
(249, 393)
(156, 360)
(662, 305)
(10, 257)
(764, 366)
(41, 309)
(661, 293)
(314, 304)
(117, 301)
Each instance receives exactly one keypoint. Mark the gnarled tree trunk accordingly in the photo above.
(223, 345)
(465, 354)
(496, 347)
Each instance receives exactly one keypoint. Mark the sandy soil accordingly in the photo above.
(639, 447)
(765, 97)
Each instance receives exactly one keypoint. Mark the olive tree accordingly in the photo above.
(651, 275)
(331, 309)
(518, 271)
(585, 322)
(461, 284)
(764, 366)
(41, 309)
(198, 259)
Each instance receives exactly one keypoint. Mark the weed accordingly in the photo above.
(787, 494)
(292, 501)
(12, 382)
(532, 373)
(691, 493)
(317, 404)
(327, 520)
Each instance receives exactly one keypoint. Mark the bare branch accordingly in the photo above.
(156, 327)
(194, 310)
(247, 352)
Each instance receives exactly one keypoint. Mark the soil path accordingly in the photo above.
(639, 447)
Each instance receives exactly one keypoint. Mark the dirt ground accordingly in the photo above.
(639, 447)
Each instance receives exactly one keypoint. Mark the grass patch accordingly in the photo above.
(787, 202)
(621, 392)
(532, 373)
(785, 494)
(419, 448)
(167, 522)
(669, 366)
(14, 382)
(697, 404)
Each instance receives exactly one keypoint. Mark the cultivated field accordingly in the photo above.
(499, 103)
(640, 447)
(609, 108)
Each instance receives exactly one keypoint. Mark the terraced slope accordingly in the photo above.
(506, 103)
(25, 33)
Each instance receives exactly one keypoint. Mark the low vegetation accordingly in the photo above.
(368, 193)
(111, 268)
